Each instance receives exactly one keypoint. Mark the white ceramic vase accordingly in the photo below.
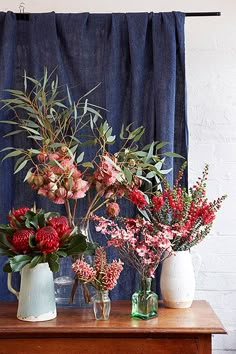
(178, 280)
(36, 298)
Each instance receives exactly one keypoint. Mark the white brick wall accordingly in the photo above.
(211, 79)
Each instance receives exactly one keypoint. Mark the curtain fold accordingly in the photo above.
(138, 59)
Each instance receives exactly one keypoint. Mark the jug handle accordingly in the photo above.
(9, 286)
(197, 261)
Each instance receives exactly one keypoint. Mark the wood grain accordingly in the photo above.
(175, 331)
(200, 318)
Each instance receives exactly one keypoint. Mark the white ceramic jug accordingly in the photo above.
(36, 298)
(178, 279)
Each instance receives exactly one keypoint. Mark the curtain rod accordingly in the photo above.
(202, 14)
(22, 16)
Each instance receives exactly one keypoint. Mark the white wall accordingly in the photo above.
(211, 78)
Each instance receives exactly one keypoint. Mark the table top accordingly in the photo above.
(80, 322)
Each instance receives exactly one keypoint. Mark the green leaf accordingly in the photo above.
(31, 124)
(35, 137)
(80, 157)
(61, 253)
(50, 214)
(28, 174)
(30, 130)
(12, 154)
(18, 162)
(8, 122)
(21, 166)
(4, 241)
(32, 241)
(36, 260)
(111, 139)
(19, 261)
(13, 133)
(122, 132)
(53, 261)
(160, 145)
(33, 151)
(87, 164)
(7, 267)
(128, 174)
(68, 95)
(150, 174)
(173, 154)
(138, 136)
(88, 142)
(150, 152)
(77, 244)
(7, 148)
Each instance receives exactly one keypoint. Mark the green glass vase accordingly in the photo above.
(145, 301)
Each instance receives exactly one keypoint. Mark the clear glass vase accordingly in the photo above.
(101, 305)
(145, 301)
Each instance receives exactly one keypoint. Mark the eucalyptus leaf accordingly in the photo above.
(13, 133)
(12, 154)
(21, 166)
(8, 122)
(80, 157)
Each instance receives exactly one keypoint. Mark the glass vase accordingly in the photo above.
(145, 301)
(101, 305)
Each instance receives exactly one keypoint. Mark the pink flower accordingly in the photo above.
(112, 273)
(113, 209)
(79, 189)
(100, 260)
(106, 173)
(84, 271)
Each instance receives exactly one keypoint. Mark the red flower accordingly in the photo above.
(15, 216)
(137, 197)
(158, 201)
(60, 224)
(47, 239)
(20, 240)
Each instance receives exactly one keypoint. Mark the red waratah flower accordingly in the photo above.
(112, 209)
(16, 214)
(60, 224)
(47, 239)
(137, 197)
(20, 240)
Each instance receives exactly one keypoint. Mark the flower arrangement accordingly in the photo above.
(61, 130)
(33, 236)
(188, 214)
(102, 276)
(138, 241)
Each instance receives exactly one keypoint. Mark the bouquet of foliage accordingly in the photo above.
(101, 275)
(61, 130)
(33, 236)
(188, 214)
(138, 241)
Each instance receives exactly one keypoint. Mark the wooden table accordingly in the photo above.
(74, 331)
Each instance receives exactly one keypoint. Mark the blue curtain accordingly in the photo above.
(139, 59)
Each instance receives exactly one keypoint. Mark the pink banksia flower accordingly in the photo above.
(84, 271)
(100, 260)
(112, 274)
